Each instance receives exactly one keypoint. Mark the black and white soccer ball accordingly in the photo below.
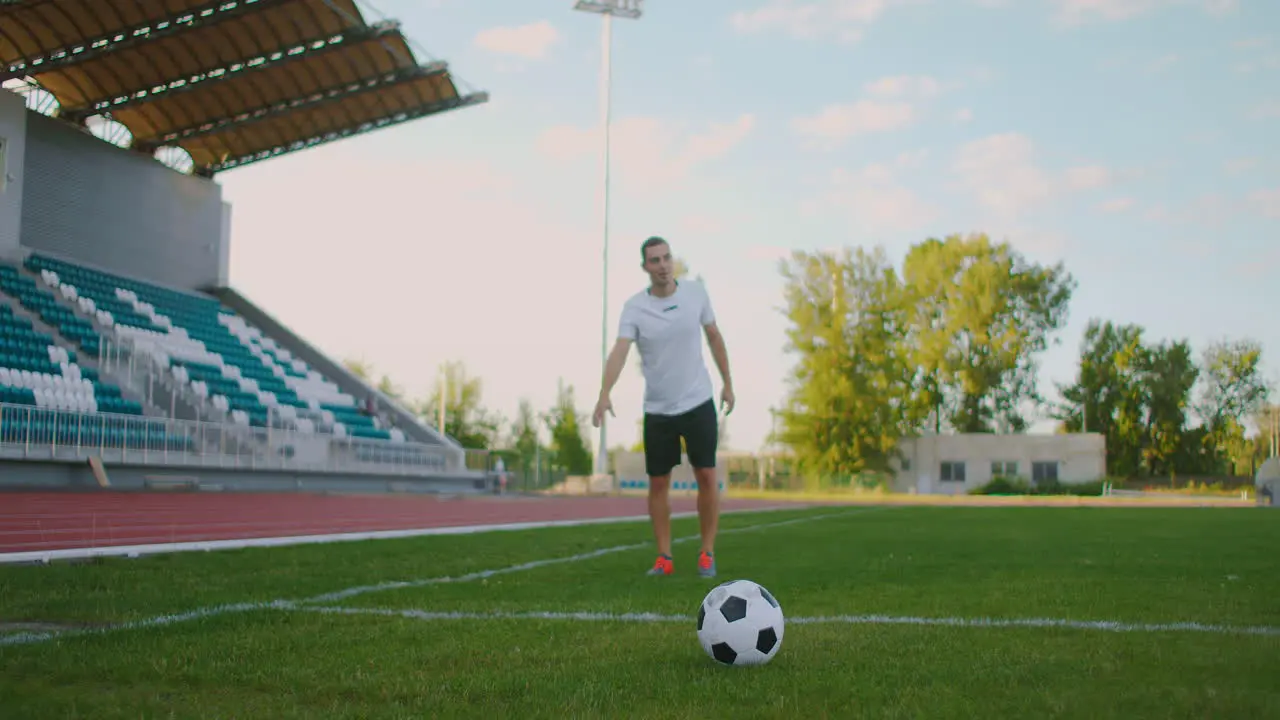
(740, 623)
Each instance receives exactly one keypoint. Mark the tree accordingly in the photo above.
(360, 368)
(524, 435)
(1232, 393)
(363, 370)
(1108, 396)
(845, 410)
(1137, 394)
(565, 423)
(465, 418)
(980, 314)
(1234, 389)
(1169, 374)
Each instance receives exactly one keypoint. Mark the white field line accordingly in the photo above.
(138, 550)
(1097, 625)
(28, 638)
(483, 574)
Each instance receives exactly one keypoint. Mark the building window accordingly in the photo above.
(1044, 471)
(952, 471)
(1004, 468)
(906, 464)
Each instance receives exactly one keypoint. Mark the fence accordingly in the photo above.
(37, 433)
(213, 440)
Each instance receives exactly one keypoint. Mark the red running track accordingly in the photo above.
(36, 522)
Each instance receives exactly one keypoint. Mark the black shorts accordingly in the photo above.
(700, 429)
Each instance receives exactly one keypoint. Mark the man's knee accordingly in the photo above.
(659, 484)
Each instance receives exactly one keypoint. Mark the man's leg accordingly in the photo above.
(660, 511)
(701, 431)
(708, 507)
(661, 454)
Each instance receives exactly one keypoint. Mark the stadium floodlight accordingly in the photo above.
(607, 9)
(629, 9)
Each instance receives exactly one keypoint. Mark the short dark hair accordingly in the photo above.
(651, 242)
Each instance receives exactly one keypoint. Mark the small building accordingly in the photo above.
(1267, 483)
(957, 464)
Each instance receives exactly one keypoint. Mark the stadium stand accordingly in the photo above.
(118, 355)
(239, 371)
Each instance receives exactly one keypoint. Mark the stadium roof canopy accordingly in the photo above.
(230, 81)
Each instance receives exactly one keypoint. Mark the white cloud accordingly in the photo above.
(1266, 110)
(875, 199)
(890, 103)
(897, 86)
(1266, 201)
(647, 152)
(1076, 12)
(1002, 174)
(1117, 205)
(1239, 165)
(1088, 177)
(837, 123)
(964, 115)
(531, 42)
(846, 20)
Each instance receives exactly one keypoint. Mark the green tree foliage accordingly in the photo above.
(465, 417)
(847, 407)
(1139, 395)
(1233, 384)
(565, 424)
(951, 341)
(980, 314)
(524, 435)
(1233, 392)
(360, 368)
(1108, 396)
(1169, 376)
(364, 370)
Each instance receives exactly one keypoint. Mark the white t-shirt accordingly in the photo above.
(668, 332)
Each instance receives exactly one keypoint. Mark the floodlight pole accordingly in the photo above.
(607, 9)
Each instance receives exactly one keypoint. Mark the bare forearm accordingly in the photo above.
(721, 356)
(613, 369)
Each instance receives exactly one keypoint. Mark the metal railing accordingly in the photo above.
(37, 433)
(209, 438)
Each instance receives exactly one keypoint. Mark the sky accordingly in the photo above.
(1132, 140)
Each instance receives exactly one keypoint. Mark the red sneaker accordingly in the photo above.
(662, 566)
(706, 564)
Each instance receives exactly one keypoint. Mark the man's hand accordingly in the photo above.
(603, 404)
(727, 399)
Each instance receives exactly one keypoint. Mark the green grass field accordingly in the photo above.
(1141, 568)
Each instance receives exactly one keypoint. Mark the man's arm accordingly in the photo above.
(612, 369)
(715, 339)
(613, 366)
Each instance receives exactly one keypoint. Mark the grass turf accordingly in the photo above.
(1128, 565)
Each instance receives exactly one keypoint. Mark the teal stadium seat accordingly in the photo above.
(211, 349)
(46, 397)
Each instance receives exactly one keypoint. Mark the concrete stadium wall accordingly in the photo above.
(13, 135)
(40, 475)
(87, 200)
(631, 475)
(1080, 458)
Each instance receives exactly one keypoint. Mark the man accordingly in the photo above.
(666, 322)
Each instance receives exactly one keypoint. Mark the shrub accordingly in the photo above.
(1003, 486)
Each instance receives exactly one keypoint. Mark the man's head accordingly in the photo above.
(656, 254)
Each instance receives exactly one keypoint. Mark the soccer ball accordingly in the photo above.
(740, 623)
